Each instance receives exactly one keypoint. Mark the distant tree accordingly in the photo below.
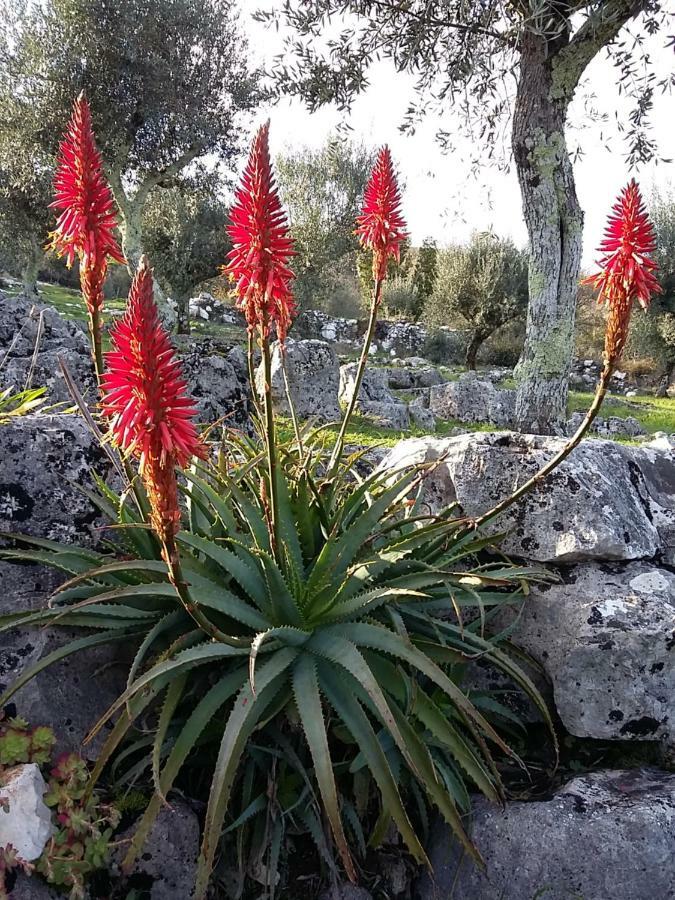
(662, 310)
(484, 283)
(166, 80)
(184, 228)
(24, 216)
(468, 56)
(425, 273)
(322, 190)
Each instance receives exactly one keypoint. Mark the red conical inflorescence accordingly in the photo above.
(85, 227)
(627, 270)
(262, 245)
(145, 398)
(381, 227)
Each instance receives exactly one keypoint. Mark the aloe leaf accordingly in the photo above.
(245, 715)
(349, 710)
(308, 702)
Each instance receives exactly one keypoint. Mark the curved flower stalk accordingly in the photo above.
(626, 274)
(380, 229)
(259, 266)
(87, 221)
(151, 419)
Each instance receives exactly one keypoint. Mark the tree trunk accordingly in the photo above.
(131, 228)
(30, 271)
(664, 382)
(183, 315)
(554, 223)
(477, 339)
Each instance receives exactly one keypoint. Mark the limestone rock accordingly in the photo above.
(346, 892)
(611, 427)
(25, 819)
(374, 386)
(384, 414)
(313, 378)
(318, 325)
(401, 338)
(422, 416)
(25, 324)
(596, 505)
(471, 399)
(169, 856)
(219, 389)
(604, 637)
(604, 836)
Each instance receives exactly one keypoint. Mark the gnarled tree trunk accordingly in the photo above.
(30, 270)
(550, 70)
(554, 222)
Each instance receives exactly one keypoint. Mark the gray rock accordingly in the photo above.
(313, 378)
(220, 390)
(169, 856)
(374, 386)
(346, 892)
(596, 505)
(613, 426)
(422, 416)
(205, 307)
(653, 467)
(604, 836)
(23, 324)
(604, 638)
(317, 325)
(32, 887)
(471, 399)
(393, 415)
(401, 338)
(400, 378)
(25, 819)
(42, 457)
(45, 371)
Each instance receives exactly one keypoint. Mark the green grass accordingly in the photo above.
(652, 413)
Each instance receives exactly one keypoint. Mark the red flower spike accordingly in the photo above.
(144, 395)
(381, 227)
(262, 245)
(626, 267)
(85, 227)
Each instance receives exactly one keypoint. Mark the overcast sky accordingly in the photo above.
(442, 199)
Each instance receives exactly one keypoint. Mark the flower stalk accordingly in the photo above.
(626, 274)
(381, 230)
(87, 221)
(259, 266)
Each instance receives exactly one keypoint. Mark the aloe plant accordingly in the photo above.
(345, 625)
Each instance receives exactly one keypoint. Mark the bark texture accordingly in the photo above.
(550, 69)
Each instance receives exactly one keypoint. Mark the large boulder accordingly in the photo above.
(167, 863)
(374, 386)
(44, 458)
(400, 338)
(604, 502)
(216, 383)
(313, 380)
(472, 399)
(33, 339)
(604, 636)
(318, 325)
(604, 836)
(375, 400)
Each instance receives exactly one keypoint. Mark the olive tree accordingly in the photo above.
(483, 283)
(166, 80)
(322, 190)
(463, 56)
(184, 228)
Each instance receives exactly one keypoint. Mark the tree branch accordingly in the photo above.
(596, 32)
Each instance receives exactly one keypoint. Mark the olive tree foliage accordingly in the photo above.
(184, 235)
(322, 190)
(24, 218)
(411, 282)
(166, 80)
(484, 284)
(661, 314)
(464, 57)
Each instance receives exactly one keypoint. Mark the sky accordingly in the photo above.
(442, 199)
